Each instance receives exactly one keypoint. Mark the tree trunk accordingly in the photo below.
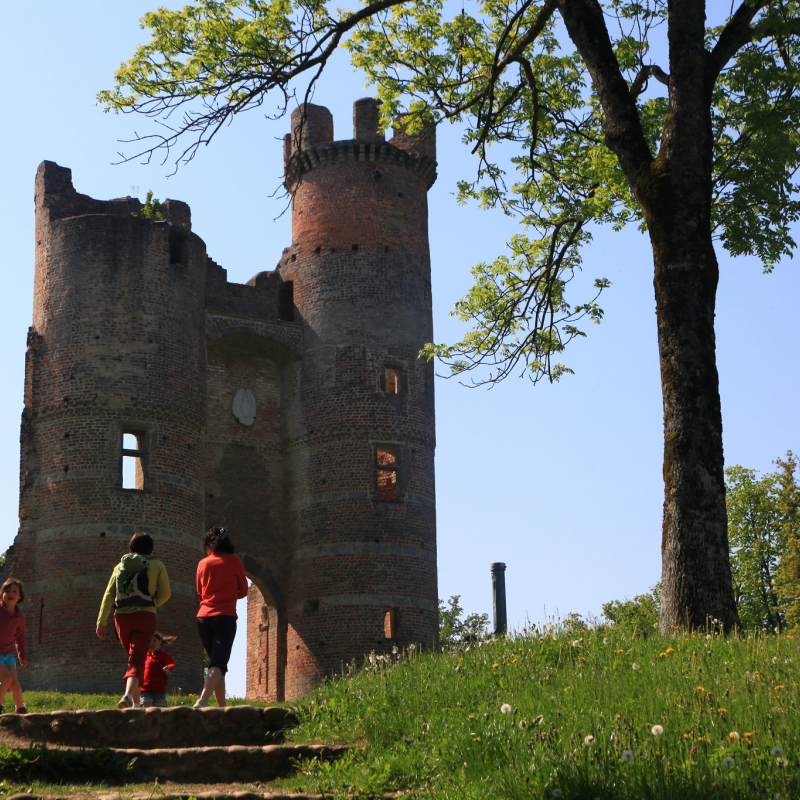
(696, 574)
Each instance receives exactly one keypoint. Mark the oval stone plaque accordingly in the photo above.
(244, 407)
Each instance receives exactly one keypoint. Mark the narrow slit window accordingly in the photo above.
(391, 380)
(389, 625)
(387, 467)
(133, 460)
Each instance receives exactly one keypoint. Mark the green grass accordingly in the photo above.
(436, 722)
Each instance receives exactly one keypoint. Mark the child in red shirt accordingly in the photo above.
(156, 672)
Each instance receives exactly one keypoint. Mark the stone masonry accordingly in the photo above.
(293, 410)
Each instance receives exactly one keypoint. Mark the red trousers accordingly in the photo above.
(135, 632)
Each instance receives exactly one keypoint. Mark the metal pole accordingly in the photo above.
(499, 598)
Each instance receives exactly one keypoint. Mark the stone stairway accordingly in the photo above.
(209, 745)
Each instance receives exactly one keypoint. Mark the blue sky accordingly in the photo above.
(562, 482)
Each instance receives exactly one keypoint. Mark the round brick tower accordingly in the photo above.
(359, 444)
(115, 373)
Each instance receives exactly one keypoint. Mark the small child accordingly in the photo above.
(156, 672)
(12, 634)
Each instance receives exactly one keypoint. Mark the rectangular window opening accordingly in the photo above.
(391, 380)
(133, 455)
(387, 464)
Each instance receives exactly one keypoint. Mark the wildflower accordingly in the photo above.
(648, 724)
(617, 716)
(747, 735)
(471, 716)
(627, 755)
(733, 735)
(774, 659)
(722, 710)
(588, 740)
(505, 708)
(514, 660)
(635, 666)
(567, 688)
(495, 666)
(605, 640)
(476, 739)
(670, 649)
(779, 686)
(620, 651)
(776, 751)
(728, 762)
(662, 655)
(581, 658)
(692, 749)
(685, 735)
(656, 730)
(700, 689)
(708, 636)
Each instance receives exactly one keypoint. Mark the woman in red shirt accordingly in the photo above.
(220, 583)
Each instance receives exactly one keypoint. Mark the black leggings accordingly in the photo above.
(217, 635)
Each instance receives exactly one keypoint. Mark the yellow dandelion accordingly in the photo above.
(662, 655)
(722, 710)
(495, 666)
(471, 716)
(581, 658)
(700, 689)
(567, 688)
(779, 686)
(618, 716)
(476, 739)
(670, 650)
(514, 661)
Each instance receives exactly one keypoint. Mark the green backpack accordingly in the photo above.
(132, 582)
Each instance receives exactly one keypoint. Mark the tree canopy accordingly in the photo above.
(763, 524)
(578, 114)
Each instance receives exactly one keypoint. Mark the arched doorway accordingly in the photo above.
(266, 645)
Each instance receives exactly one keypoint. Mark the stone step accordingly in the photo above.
(174, 727)
(234, 764)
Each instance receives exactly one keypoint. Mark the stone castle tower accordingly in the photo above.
(293, 410)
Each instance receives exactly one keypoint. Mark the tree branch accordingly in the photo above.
(640, 82)
(624, 136)
(735, 35)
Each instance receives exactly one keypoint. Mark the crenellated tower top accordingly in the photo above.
(311, 144)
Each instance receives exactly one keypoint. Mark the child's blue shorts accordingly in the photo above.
(10, 660)
(154, 698)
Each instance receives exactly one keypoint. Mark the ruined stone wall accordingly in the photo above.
(116, 345)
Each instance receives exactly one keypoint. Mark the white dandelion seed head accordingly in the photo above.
(556, 792)
(605, 640)
(734, 735)
(505, 708)
(577, 643)
(627, 755)
(776, 751)
(588, 740)
(523, 724)
(655, 626)
(774, 659)
(708, 636)
(656, 730)
(635, 666)
(728, 762)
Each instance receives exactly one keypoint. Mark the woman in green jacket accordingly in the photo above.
(138, 587)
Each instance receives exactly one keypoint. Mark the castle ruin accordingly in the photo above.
(293, 410)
